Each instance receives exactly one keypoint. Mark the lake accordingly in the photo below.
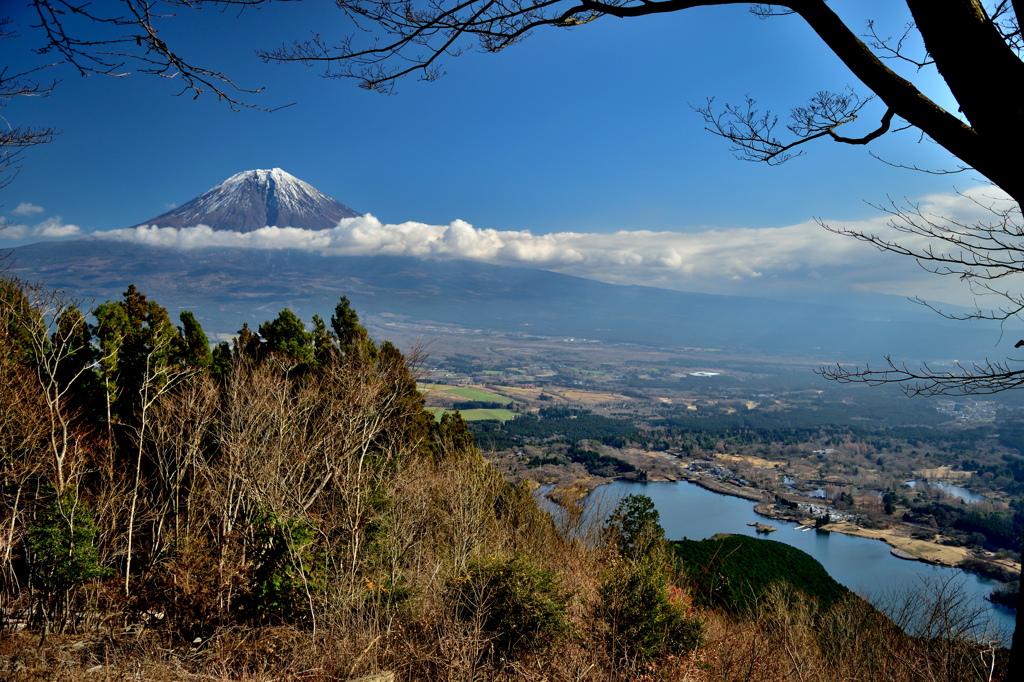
(953, 491)
(863, 565)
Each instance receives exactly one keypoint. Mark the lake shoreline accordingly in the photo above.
(901, 545)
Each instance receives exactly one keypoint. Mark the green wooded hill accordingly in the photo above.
(733, 571)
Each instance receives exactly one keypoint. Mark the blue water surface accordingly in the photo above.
(863, 565)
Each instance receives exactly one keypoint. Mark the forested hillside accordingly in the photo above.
(734, 571)
(284, 507)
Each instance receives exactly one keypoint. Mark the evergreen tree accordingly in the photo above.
(220, 361)
(247, 343)
(62, 557)
(73, 341)
(635, 526)
(351, 335)
(286, 336)
(415, 422)
(452, 435)
(137, 340)
(16, 314)
(323, 341)
(193, 348)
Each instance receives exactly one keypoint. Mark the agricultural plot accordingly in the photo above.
(477, 415)
(466, 393)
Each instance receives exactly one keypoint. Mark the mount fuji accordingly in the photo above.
(253, 199)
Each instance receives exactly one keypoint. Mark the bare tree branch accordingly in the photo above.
(93, 40)
(972, 379)
(753, 132)
(413, 37)
(888, 50)
(14, 140)
(985, 254)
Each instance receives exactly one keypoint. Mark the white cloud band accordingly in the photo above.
(751, 261)
(51, 228)
(27, 208)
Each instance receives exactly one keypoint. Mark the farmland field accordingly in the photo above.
(466, 393)
(477, 415)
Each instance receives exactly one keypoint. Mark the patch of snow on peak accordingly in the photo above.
(257, 198)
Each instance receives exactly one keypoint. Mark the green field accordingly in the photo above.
(477, 415)
(466, 393)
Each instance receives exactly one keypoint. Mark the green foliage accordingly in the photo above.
(594, 462)
(220, 360)
(531, 428)
(352, 336)
(287, 337)
(412, 422)
(522, 605)
(479, 405)
(598, 464)
(451, 435)
(247, 343)
(284, 567)
(634, 527)
(72, 342)
(646, 617)
(16, 318)
(136, 341)
(1006, 595)
(732, 572)
(193, 345)
(323, 340)
(62, 555)
(1001, 529)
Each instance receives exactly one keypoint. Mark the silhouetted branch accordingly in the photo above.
(930, 171)
(109, 40)
(15, 139)
(886, 49)
(973, 379)
(753, 133)
(980, 253)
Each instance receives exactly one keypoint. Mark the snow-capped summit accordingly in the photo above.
(253, 199)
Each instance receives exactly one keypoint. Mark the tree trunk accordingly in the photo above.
(1015, 666)
(987, 79)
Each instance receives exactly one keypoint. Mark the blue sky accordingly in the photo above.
(587, 131)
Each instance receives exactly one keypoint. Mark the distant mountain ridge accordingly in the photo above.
(224, 287)
(253, 199)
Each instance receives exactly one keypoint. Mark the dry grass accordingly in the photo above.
(756, 462)
(899, 538)
(944, 473)
(786, 638)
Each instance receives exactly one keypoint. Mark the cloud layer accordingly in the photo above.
(51, 228)
(796, 258)
(26, 208)
(627, 255)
